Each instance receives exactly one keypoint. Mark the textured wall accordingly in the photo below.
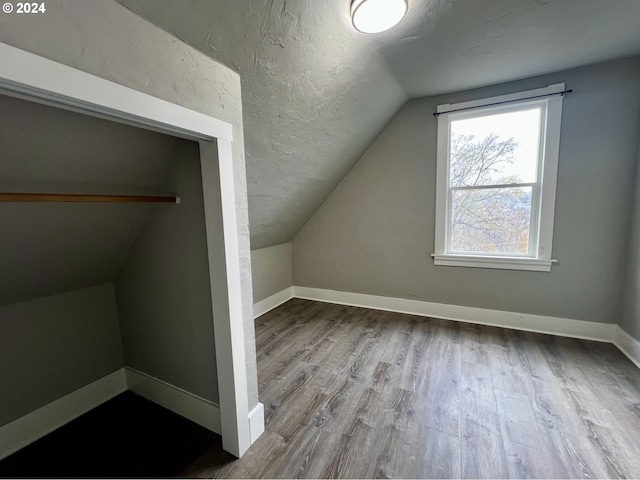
(375, 233)
(51, 346)
(630, 322)
(272, 270)
(163, 290)
(107, 40)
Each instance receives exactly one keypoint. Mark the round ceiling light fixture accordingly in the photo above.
(375, 16)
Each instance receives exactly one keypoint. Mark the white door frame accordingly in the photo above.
(31, 77)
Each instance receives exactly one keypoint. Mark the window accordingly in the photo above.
(496, 180)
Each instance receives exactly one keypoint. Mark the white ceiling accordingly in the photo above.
(316, 93)
(52, 248)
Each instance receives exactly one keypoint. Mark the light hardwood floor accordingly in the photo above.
(357, 393)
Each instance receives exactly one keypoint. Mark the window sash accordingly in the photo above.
(535, 186)
(532, 223)
(497, 185)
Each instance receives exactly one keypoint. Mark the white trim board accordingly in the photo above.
(32, 426)
(256, 422)
(269, 303)
(216, 166)
(195, 408)
(602, 332)
(627, 345)
(22, 75)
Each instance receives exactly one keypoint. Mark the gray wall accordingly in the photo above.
(51, 346)
(47, 149)
(105, 39)
(375, 233)
(631, 308)
(163, 290)
(272, 270)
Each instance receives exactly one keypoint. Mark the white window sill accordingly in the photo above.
(504, 263)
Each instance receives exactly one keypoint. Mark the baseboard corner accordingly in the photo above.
(197, 409)
(35, 425)
(627, 345)
(274, 301)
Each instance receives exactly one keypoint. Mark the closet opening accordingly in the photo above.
(119, 256)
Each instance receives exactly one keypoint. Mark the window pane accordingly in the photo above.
(491, 220)
(495, 149)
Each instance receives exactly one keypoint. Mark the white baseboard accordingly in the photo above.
(256, 422)
(565, 327)
(272, 302)
(195, 408)
(29, 428)
(627, 345)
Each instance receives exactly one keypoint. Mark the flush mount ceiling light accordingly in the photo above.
(375, 16)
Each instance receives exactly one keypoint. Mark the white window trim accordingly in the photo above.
(542, 260)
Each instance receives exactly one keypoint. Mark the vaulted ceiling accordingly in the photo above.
(316, 93)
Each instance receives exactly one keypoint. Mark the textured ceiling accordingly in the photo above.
(316, 93)
(52, 248)
(449, 46)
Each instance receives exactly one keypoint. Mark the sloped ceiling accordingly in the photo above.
(316, 93)
(52, 248)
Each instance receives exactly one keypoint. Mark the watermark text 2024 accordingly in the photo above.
(21, 8)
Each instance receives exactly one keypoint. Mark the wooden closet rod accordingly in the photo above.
(71, 198)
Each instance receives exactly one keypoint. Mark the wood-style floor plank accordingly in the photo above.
(357, 393)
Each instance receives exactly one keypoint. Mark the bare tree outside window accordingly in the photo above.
(487, 220)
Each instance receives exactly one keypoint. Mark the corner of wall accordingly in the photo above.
(630, 296)
(272, 271)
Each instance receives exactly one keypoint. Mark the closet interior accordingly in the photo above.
(103, 257)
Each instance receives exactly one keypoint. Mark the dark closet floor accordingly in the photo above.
(126, 437)
(357, 393)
